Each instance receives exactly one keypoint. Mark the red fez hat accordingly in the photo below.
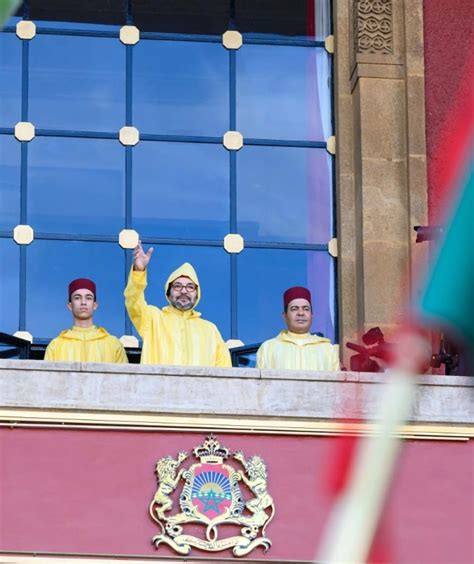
(82, 284)
(295, 293)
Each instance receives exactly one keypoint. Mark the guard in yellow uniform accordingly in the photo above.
(296, 348)
(176, 334)
(85, 342)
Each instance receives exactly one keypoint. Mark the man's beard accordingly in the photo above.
(182, 306)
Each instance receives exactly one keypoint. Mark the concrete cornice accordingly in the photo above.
(234, 392)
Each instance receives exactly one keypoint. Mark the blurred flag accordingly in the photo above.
(365, 467)
(361, 482)
(7, 9)
(448, 298)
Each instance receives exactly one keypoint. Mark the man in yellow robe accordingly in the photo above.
(175, 334)
(296, 348)
(84, 342)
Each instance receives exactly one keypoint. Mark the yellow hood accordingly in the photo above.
(185, 269)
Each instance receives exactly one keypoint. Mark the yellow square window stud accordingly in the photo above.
(233, 140)
(331, 145)
(232, 40)
(129, 35)
(332, 247)
(23, 234)
(25, 335)
(233, 243)
(329, 44)
(128, 238)
(129, 136)
(26, 29)
(24, 131)
(129, 341)
(234, 343)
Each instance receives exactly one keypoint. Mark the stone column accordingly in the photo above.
(382, 159)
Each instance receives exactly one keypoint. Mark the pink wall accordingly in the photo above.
(87, 491)
(448, 40)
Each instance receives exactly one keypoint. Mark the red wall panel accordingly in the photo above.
(87, 491)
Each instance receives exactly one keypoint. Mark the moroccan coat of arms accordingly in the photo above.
(211, 495)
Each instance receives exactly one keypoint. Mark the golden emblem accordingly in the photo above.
(211, 495)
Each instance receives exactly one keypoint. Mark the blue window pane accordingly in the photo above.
(180, 88)
(77, 83)
(283, 92)
(295, 184)
(10, 79)
(9, 286)
(212, 265)
(51, 265)
(76, 185)
(10, 154)
(180, 190)
(263, 275)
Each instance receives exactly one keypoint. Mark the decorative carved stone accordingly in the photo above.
(373, 26)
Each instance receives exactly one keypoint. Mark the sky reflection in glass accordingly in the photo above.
(295, 184)
(77, 83)
(283, 92)
(76, 185)
(10, 150)
(10, 79)
(9, 286)
(180, 190)
(180, 88)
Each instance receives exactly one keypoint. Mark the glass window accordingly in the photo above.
(10, 154)
(212, 265)
(295, 184)
(180, 190)
(180, 88)
(309, 19)
(77, 83)
(98, 11)
(208, 17)
(10, 82)
(284, 19)
(51, 265)
(262, 277)
(9, 286)
(283, 92)
(76, 185)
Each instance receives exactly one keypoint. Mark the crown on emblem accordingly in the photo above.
(211, 451)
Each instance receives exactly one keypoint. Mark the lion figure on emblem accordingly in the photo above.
(257, 483)
(166, 469)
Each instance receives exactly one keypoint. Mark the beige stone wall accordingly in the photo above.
(381, 158)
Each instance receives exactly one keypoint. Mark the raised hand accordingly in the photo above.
(140, 258)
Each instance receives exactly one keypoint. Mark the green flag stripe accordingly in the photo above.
(7, 9)
(448, 299)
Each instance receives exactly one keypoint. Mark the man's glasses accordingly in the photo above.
(188, 287)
